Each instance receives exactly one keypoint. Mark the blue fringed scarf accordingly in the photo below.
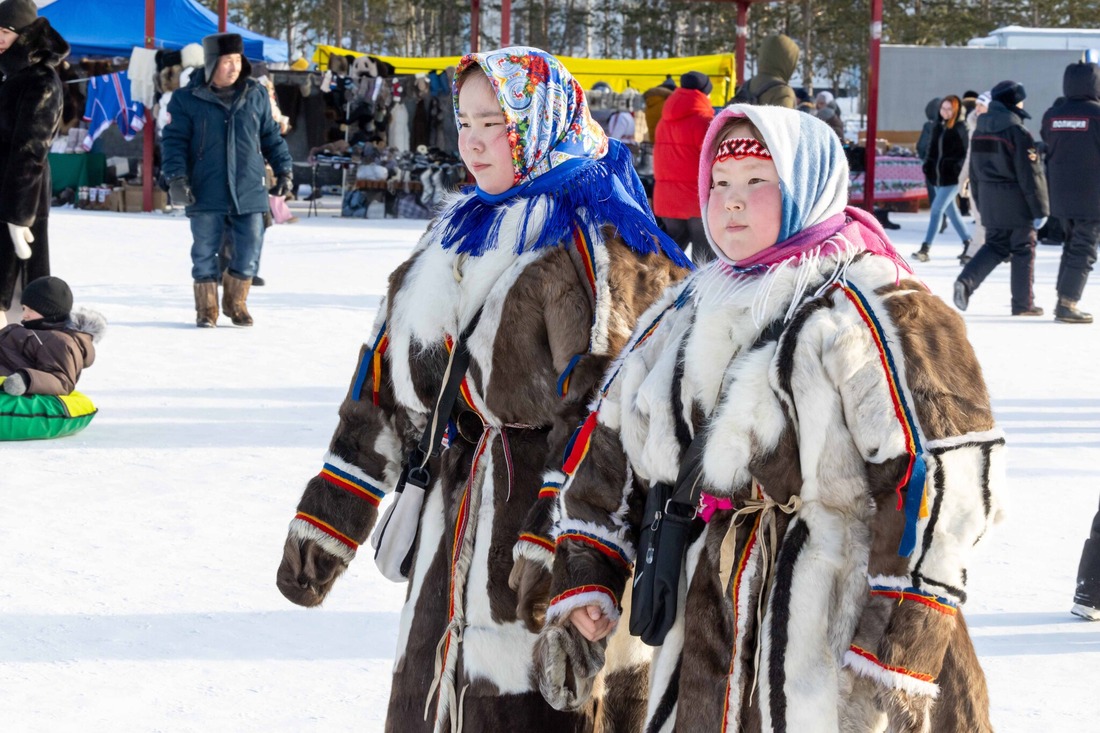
(564, 166)
(581, 192)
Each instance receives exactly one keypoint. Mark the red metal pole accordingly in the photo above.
(475, 25)
(742, 33)
(506, 23)
(150, 130)
(872, 106)
(222, 12)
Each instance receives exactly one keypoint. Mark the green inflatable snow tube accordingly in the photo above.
(36, 417)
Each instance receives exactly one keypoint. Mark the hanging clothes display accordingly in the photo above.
(109, 102)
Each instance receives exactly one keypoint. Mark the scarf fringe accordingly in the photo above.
(587, 196)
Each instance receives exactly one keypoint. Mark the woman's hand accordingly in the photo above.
(592, 622)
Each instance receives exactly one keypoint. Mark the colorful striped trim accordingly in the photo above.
(588, 256)
(464, 387)
(871, 657)
(534, 539)
(915, 502)
(372, 359)
(931, 600)
(607, 548)
(578, 445)
(573, 592)
(329, 530)
(563, 380)
(347, 482)
(550, 489)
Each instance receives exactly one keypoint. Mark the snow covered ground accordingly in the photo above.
(139, 556)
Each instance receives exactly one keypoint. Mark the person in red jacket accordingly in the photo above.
(684, 120)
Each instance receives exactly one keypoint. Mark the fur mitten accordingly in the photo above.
(566, 665)
(531, 582)
(21, 239)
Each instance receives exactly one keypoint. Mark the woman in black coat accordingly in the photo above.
(942, 167)
(30, 111)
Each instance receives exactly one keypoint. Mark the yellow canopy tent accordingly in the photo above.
(618, 73)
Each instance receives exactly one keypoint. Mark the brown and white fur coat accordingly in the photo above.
(785, 375)
(464, 660)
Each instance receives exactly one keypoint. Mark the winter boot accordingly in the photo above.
(1066, 312)
(1032, 311)
(962, 295)
(233, 300)
(1086, 601)
(922, 253)
(964, 257)
(206, 305)
(258, 282)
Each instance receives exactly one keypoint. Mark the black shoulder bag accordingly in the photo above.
(670, 513)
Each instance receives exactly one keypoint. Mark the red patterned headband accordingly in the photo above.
(740, 148)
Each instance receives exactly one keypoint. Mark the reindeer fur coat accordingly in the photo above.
(788, 376)
(463, 658)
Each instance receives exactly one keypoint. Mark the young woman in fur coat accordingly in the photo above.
(31, 103)
(557, 251)
(849, 463)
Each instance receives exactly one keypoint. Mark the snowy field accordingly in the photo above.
(139, 556)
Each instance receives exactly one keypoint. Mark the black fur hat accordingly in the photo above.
(1009, 93)
(15, 15)
(222, 44)
(50, 296)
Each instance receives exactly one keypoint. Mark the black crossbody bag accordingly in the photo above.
(395, 536)
(670, 514)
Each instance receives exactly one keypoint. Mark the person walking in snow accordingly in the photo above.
(214, 148)
(776, 61)
(31, 103)
(768, 406)
(684, 120)
(942, 167)
(1071, 131)
(535, 278)
(46, 353)
(1010, 191)
(977, 237)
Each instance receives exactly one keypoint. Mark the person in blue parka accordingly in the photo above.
(214, 148)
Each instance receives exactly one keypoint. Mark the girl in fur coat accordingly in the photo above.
(541, 271)
(849, 461)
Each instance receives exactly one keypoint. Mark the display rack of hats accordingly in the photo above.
(399, 138)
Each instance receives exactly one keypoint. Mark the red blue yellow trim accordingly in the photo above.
(347, 482)
(584, 589)
(913, 481)
(534, 539)
(871, 657)
(735, 583)
(549, 490)
(931, 600)
(373, 358)
(588, 256)
(328, 529)
(578, 445)
(607, 548)
(563, 380)
(464, 387)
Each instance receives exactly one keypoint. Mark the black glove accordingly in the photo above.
(179, 189)
(283, 184)
(15, 384)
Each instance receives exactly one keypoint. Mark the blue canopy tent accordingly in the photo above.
(114, 27)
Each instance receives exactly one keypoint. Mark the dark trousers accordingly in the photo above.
(690, 231)
(1004, 245)
(1088, 571)
(1078, 257)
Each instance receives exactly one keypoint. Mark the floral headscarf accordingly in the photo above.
(544, 106)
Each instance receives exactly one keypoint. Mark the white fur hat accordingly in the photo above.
(192, 56)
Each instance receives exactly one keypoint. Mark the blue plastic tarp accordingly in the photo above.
(114, 27)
